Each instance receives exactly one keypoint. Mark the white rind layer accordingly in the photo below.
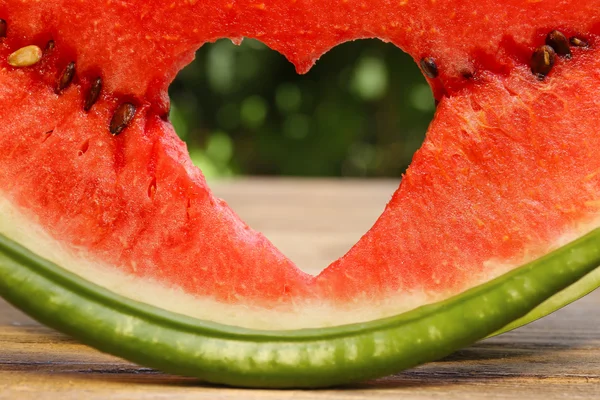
(16, 225)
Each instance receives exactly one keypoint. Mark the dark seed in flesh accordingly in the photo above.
(429, 67)
(93, 94)
(542, 61)
(49, 47)
(559, 43)
(577, 42)
(66, 77)
(2, 28)
(121, 118)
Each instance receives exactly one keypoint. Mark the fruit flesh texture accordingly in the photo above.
(504, 165)
(141, 45)
(506, 170)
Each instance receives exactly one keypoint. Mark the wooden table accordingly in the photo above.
(314, 222)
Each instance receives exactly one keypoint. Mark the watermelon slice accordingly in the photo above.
(109, 233)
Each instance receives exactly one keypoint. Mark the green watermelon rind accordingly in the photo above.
(237, 356)
(579, 289)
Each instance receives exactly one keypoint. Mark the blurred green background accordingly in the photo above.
(361, 111)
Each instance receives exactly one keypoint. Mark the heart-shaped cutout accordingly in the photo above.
(243, 108)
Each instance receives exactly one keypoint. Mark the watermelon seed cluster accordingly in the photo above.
(542, 60)
(543, 57)
(31, 55)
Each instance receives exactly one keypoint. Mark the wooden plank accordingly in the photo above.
(554, 358)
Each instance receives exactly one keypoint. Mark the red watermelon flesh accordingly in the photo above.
(507, 172)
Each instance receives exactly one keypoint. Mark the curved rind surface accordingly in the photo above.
(303, 358)
(579, 289)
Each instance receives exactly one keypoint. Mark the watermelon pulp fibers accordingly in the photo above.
(506, 174)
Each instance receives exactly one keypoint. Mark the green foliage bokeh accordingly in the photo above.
(361, 111)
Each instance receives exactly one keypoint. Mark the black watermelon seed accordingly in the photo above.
(66, 77)
(2, 28)
(577, 42)
(49, 47)
(429, 67)
(542, 61)
(559, 43)
(93, 94)
(121, 118)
